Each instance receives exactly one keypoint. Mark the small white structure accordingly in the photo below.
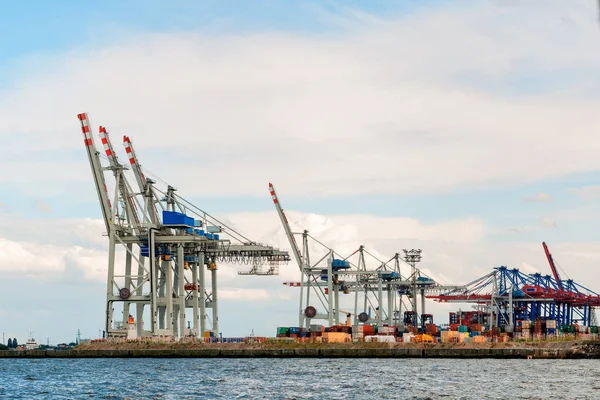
(31, 344)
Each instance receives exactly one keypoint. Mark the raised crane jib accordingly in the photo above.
(286, 226)
(94, 158)
(552, 266)
(139, 176)
(121, 181)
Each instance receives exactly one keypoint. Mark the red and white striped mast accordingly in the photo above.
(94, 158)
(122, 184)
(141, 179)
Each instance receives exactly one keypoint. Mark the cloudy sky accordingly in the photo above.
(466, 128)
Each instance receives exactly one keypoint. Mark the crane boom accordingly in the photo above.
(123, 186)
(139, 175)
(552, 266)
(286, 227)
(133, 161)
(94, 158)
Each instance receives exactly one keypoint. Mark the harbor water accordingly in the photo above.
(290, 378)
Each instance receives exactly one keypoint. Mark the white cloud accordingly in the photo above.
(30, 259)
(587, 192)
(540, 197)
(42, 206)
(365, 112)
(549, 222)
(53, 249)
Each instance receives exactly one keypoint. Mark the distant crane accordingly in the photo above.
(553, 267)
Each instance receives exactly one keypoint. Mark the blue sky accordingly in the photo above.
(343, 105)
(41, 26)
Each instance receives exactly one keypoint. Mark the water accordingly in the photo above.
(298, 379)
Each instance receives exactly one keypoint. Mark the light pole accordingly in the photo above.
(412, 258)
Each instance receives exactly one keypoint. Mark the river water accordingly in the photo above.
(193, 378)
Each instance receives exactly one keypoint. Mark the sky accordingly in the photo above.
(465, 128)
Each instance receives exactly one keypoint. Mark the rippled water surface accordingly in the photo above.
(298, 378)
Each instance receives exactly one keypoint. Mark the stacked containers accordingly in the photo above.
(357, 332)
(294, 332)
(453, 318)
(431, 329)
(550, 327)
(368, 329)
(537, 327)
(386, 331)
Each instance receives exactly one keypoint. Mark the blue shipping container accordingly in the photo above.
(340, 264)
(173, 218)
(146, 251)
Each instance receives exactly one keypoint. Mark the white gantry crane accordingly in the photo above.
(377, 285)
(160, 246)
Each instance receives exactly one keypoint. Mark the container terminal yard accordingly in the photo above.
(163, 259)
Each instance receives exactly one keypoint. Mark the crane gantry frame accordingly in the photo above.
(333, 274)
(180, 245)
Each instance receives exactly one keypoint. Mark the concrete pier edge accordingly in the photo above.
(323, 352)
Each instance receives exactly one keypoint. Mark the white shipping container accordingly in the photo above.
(386, 339)
(408, 338)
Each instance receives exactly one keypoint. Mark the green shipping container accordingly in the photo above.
(283, 331)
(593, 329)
